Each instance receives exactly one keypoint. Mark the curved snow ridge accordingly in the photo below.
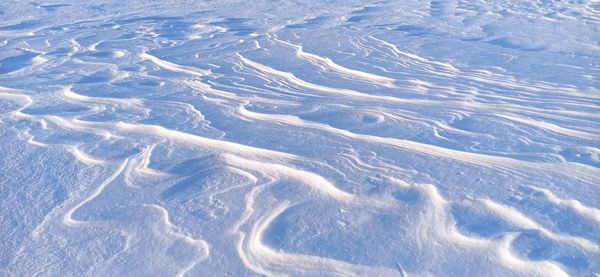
(207, 89)
(414, 59)
(106, 129)
(263, 260)
(24, 100)
(17, 96)
(536, 268)
(175, 67)
(332, 66)
(175, 231)
(84, 157)
(447, 70)
(517, 237)
(432, 150)
(293, 80)
(130, 167)
(552, 127)
(440, 215)
(68, 215)
(221, 145)
(278, 171)
(314, 181)
(588, 212)
(289, 79)
(69, 95)
(435, 223)
(311, 180)
(140, 167)
(511, 215)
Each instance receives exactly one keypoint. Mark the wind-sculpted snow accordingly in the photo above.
(280, 138)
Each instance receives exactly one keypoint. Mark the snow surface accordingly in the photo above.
(300, 138)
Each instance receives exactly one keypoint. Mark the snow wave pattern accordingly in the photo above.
(441, 138)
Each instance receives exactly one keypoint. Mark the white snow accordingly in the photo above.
(300, 138)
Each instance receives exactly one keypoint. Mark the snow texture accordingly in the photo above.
(300, 138)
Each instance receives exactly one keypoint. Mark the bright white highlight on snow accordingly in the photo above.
(300, 138)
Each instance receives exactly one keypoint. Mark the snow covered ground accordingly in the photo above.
(300, 138)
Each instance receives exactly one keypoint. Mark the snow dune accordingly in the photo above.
(327, 138)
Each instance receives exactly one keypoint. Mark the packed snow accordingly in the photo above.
(300, 138)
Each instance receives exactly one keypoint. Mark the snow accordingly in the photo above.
(300, 138)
